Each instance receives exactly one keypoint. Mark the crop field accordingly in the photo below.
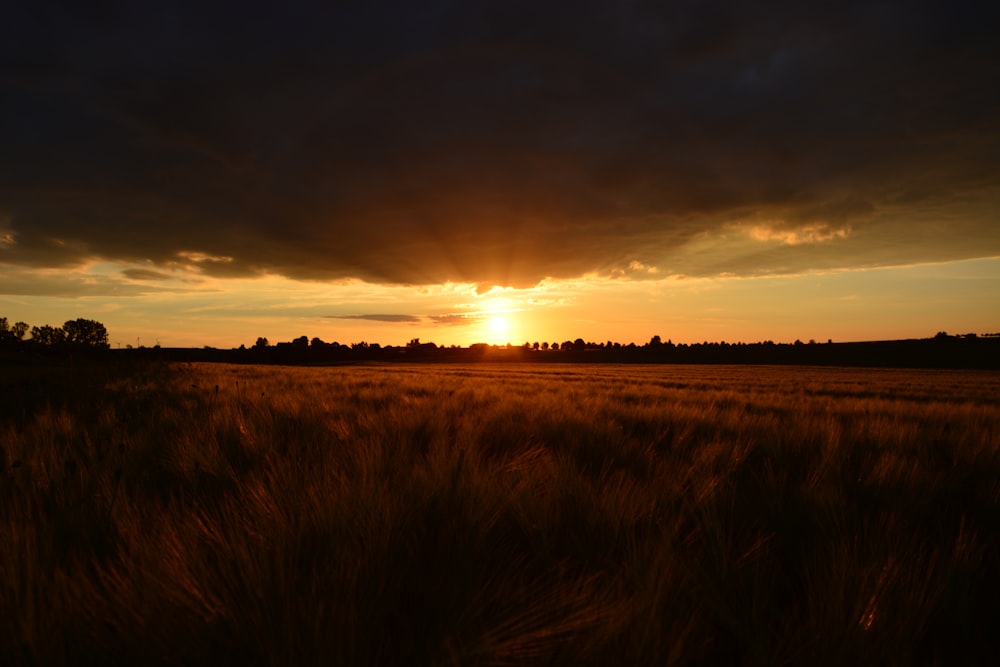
(206, 514)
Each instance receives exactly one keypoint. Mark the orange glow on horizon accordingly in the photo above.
(176, 310)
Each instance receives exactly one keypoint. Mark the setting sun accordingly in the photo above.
(499, 324)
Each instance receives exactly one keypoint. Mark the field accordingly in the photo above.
(491, 515)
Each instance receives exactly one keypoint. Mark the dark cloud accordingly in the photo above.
(499, 142)
(377, 317)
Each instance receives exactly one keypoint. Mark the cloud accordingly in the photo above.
(453, 319)
(196, 257)
(500, 143)
(634, 269)
(814, 233)
(145, 274)
(448, 319)
(377, 317)
(6, 233)
(22, 281)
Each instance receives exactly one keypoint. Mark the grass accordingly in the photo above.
(476, 515)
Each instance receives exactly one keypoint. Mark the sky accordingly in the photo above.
(456, 171)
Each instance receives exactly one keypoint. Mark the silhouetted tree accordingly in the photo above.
(260, 344)
(9, 335)
(47, 336)
(85, 333)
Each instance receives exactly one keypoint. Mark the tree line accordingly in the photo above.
(78, 334)
(941, 351)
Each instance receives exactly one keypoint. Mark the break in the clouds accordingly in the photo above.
(498, 142)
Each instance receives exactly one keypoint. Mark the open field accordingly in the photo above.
(467, 515)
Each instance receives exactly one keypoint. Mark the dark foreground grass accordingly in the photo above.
(485, 516)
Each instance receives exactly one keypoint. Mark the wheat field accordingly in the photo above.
(200, 514)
